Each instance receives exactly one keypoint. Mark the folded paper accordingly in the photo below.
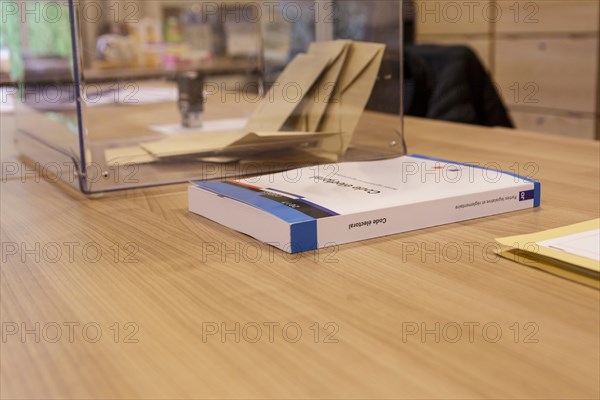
(287, 92)
(354, 89)
(228, 142)
(571, 252)
(319, 98)
(313, 107)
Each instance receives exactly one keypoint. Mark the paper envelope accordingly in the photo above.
(127, 156)
(532, 250)
(312, 109)
(229, 142)
(287, 93)
(356, 84)
(553, 266)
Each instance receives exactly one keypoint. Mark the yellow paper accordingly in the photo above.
(552, 266)
(532, 249)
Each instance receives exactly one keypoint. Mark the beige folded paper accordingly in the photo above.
(229, 142)
(355, 86)
(287, 93)
(312, 109)
(319, 98)
(127, 156)
(570, 252)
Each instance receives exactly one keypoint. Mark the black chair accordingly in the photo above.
(450, 83)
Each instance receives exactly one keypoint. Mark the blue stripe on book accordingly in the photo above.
(304, 237)
(255, 199)
(303, 229)
(537, 200)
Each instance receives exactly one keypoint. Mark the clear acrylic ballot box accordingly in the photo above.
(116, 95)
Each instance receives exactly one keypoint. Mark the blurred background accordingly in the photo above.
(532, 65)
(542, 56)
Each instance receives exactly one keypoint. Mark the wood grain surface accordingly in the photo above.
(426, 314)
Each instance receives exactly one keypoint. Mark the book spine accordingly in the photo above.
(362, 226)
(245, 219)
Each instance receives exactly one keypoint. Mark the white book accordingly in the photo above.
(329, 205)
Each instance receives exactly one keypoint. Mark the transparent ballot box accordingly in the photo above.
(126, 94)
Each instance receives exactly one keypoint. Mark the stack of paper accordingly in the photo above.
(572, 252)
(316, 102)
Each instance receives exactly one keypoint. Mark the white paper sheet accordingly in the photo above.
(585, 244)
(229, 124)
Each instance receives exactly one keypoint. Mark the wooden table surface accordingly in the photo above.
(130, 296)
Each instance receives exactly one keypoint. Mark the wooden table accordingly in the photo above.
(161, 285)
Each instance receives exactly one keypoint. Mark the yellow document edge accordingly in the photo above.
(552, 266)
(529, 244)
